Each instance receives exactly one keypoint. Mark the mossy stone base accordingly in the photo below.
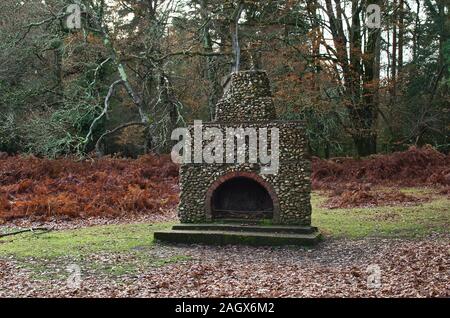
(233, 234)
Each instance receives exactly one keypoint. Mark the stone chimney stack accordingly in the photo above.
(247, 97)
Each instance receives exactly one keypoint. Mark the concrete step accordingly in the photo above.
(294, 229)
(236, 238)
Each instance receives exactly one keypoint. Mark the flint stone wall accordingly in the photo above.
(247, 97)
(247, 103)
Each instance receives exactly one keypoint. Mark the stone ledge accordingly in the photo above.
(242, 227)
(215, 237)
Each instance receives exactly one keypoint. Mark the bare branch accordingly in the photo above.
(105, 109)
(32, 229)
(109, 132)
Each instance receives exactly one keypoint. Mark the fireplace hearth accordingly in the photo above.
(241, 198)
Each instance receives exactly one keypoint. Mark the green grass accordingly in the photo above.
(46, 255)
(80, 242)
(386, 221)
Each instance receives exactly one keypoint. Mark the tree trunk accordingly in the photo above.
(365, 145)
(365, 139)
(416, 32)
(364, 87)
(169, 101)
(210, 61)
(315, 41)
(234, 31)
(394, 55)
(400, 34)
(59, 86)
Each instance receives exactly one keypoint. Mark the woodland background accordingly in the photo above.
(137, 69)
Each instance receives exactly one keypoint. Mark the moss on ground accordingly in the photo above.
(47, 255)
(386, 221)
(80, 242)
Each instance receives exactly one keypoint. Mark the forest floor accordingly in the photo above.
(385, 217)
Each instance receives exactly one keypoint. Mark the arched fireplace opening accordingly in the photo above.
(241, 198)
